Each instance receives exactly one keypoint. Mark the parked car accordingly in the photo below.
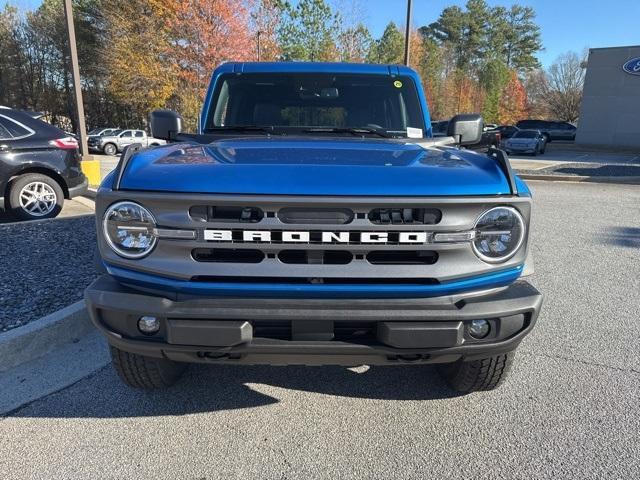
(99, 132)
(39, 166)
(491, 137)
(507, 131)
(526, 141)
(280, 234)
(118, 140)
(551, 130)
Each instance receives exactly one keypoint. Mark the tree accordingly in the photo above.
(265, 18)
(564, 84)
(535, 84)
(203, 34)
(514, 37)
(309, 31)
(143, 74)
(354, 43)
(389, 48)
(493, 79)
(513, 103)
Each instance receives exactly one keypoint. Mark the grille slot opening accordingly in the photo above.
(315, 216)
(402, 257)
(227, 255)
(228, 214)
(315, 257)
(403, 216)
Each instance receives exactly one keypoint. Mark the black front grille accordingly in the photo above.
(402, 257)
(315, 216)
(315, 257)
(227, 255)
(227, 214)
(403, 216)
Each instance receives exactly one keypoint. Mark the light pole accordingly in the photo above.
(258, 35)
(407, 33)
(75, 73)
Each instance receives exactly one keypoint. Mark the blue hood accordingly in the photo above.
(314, 166)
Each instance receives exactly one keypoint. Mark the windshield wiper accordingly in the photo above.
(241, 128)
(353, 130)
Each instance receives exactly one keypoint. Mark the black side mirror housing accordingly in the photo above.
(165, 124)
(466, 128)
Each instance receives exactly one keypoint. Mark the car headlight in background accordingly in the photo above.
(499, 233)
(129, 229)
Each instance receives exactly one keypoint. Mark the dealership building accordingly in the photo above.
(610, 110)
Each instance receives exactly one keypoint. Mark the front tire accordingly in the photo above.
(34, 196)
(477, 375)
(110, 149)
(146, 373)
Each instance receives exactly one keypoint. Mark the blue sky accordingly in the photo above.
(566, 24)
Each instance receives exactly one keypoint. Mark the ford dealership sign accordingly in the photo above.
(632, 66)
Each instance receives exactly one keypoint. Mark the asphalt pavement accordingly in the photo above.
(569, 410)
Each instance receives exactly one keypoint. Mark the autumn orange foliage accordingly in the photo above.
(513, 103)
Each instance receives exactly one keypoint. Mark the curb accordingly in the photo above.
(582, 179)
(91, 193)
(87, 202)
(42, 336)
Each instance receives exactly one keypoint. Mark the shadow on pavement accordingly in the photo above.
(602, 171)
(210, 388)
(628, 237)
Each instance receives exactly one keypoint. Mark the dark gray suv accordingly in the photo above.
(551, 130)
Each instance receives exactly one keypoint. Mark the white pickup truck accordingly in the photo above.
(118, 140)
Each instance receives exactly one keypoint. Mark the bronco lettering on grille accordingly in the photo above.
(285, 236)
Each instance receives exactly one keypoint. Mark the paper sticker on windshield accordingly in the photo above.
(397, 84)
(414, 132)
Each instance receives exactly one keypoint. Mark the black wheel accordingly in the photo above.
(543, 149)
(139, 371)
(110, 149)
(477, 375)
(35, 196)
(536, 151)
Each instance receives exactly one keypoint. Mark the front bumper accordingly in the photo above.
(314, 331)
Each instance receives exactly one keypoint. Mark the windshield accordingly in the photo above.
(95, 131)
(115, 132)
(299, 102)
(525, 134)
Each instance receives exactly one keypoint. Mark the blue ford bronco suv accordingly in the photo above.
(313, 220)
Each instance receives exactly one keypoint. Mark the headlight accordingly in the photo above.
(129, 229)
(499, 233)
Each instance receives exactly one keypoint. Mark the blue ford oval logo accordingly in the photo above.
(632, 66)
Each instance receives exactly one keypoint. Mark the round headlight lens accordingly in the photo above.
(129, 229)
(499, 233)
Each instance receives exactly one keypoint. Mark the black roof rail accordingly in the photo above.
(500, 156)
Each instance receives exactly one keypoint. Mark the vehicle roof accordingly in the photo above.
(315, 67)
(527, 130)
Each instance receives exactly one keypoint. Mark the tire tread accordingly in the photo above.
(143, 372)
(478, 375)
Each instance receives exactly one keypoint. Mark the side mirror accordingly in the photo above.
(466, 128)
(165, 124)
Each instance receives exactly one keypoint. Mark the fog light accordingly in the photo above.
(479, 328)
(148, 325)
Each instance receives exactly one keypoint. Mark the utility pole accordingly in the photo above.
(407, 33)
(75, 72)
(259, 52)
